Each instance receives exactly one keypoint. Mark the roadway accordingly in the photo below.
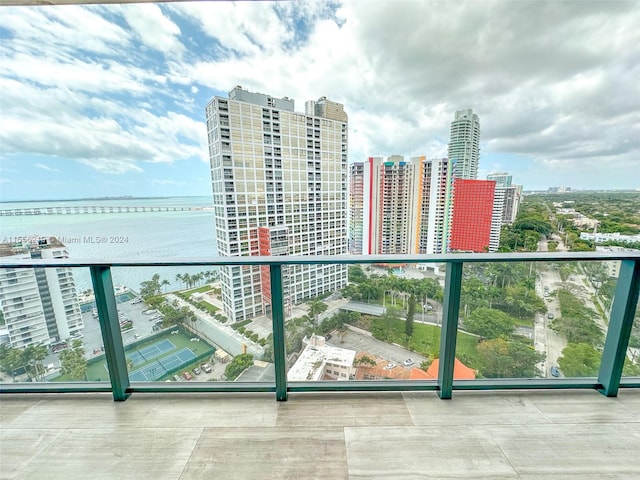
(546, 340)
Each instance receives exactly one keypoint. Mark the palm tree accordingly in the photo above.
(180, 278)
(164, 283)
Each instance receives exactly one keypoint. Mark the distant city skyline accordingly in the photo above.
(120, 112)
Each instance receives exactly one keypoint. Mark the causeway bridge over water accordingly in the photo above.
(93, 209)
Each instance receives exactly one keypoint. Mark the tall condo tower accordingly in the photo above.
(399, 206)
(279, 183)
(39, 305)
(464, 144)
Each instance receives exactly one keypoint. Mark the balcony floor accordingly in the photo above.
(522, 435)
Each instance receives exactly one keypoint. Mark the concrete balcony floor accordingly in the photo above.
(521, 435)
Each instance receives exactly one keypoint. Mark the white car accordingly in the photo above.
(408, 362)
(390, 365)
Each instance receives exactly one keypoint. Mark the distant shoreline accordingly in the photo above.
(85, 199)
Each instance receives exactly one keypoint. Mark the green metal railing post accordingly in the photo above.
(449, 332)
(110, 328)
(620, 323)
(277, 315)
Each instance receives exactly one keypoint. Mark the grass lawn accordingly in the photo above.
(204, 288)
(208, 307)
(426, 338)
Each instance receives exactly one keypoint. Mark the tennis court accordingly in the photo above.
(161, 367)
(146, 354)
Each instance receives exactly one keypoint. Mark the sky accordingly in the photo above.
(109, 100)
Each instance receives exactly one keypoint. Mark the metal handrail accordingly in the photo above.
(608, 381)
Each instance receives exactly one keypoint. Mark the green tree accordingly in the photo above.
(238, 365)
(151, 288)
(73, 362)
(500, 358)
(579, 330)
(10, 359)
(579, 360)
(356, 274)
(411, 311)
(489, 323)
(342, 332)
(316, 307)
(32, 356)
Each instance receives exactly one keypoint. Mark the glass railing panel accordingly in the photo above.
(47, 332)
(632, 362)
(174, 328)
(543, 319)
(360, 331)
(581, 302)
(503, 321)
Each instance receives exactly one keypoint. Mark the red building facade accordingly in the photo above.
(472, 215)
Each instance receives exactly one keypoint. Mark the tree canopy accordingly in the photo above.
(500, 358)
(489, 323)
(238, 365)
(579, 360)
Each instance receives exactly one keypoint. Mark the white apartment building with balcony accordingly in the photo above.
(39, 305)
(277, 173)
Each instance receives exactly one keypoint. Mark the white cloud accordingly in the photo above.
(116, 167)
(59, 31)
(555, 83)
(153, 29)
(46, 167)
(244, 27)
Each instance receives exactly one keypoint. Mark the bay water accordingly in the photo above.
(123, 236)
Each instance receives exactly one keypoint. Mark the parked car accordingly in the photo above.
(177, 378)
(206, 367)
(408, 362)
(390, 365)
(187, 376)
(555, 372)
(550, 316)
(197, 371)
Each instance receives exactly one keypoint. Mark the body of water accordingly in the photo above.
(118, 236)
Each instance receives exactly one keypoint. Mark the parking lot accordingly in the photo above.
(364, 343)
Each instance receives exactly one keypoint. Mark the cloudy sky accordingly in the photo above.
(109, 100)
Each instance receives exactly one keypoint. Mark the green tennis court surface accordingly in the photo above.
(154, 357)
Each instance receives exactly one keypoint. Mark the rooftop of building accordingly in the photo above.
(27, 244)
(312, 360)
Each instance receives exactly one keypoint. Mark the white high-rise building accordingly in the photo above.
(464, 144)
(279, 183)
(40, 305)
(510, 195)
